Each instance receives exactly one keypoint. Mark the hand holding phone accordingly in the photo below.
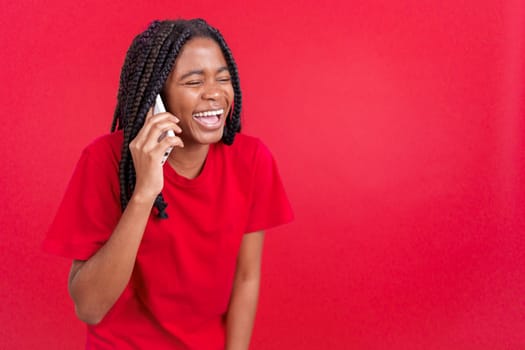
(159, 108)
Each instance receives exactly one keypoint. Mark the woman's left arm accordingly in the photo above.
(245, 293)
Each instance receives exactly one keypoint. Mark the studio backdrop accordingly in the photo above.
(398, 128)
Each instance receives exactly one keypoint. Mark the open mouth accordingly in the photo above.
(211, 118)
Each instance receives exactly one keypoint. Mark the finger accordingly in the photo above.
(144, 133)
(167, 143)
(157, 152)
(167, 125)
(158, 132)
(156, 136)
(171, 141)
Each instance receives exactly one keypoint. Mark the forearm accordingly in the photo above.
(99, 281)
(241, 314)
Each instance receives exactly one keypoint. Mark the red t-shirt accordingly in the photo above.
(181, 284)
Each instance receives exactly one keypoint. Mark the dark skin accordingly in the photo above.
(199, 82)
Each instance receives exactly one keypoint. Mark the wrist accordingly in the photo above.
(142, 199)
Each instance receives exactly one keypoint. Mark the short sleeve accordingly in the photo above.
(269, 205)
(90, 208)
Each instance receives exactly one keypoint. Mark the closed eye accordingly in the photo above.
(193, 83)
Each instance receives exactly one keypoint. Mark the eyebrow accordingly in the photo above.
(201, 72)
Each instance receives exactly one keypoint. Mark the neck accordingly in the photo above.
(189, 161)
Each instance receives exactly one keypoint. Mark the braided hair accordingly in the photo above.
(149, 61)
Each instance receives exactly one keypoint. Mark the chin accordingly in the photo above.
(210, 138)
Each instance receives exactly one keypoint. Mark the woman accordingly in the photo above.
(168, 256)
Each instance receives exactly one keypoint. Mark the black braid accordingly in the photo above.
(148, 63)
(233, 123)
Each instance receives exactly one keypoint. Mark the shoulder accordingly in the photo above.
(247, 156)
(249, 148)
(102, 155)
(107, 147)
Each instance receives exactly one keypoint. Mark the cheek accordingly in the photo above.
(183, 103)
(229, 94)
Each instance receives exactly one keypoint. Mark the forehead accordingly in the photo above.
(199, 54)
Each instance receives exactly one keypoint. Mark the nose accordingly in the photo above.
(211, 92)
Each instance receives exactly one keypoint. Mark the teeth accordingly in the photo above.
(209, 113)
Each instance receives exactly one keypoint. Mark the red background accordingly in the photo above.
(399, 130)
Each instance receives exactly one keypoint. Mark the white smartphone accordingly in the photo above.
(159, 108)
